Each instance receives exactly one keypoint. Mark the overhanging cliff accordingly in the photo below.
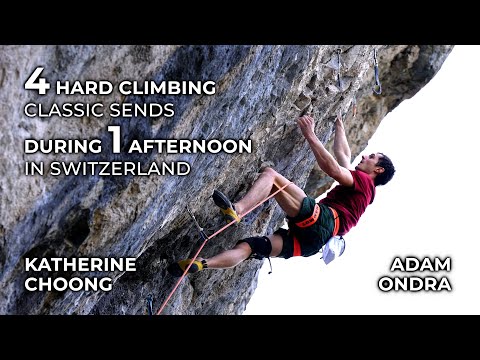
(260, 91)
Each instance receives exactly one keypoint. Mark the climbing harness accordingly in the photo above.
(206, 238)
(149, 302)
(311, 220)
(297, 249)
(377, 88)
(339, 79)
(336, 220)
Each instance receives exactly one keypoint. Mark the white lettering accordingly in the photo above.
(73, 287)
(54, 169)
(56, 146)
(108, 285)
(385, 283)
(83, 264)
(27, 284)
(397, 264)
(444, 285)
(445, 265)
(91, 87)
(96, 264)
(413, 284)
(27, 113)
(430, 283)
(130, 264)
(44, 265)
(135, 147)
(30, 264)
(426, 265)
(411, 264)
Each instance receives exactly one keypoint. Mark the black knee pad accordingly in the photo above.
(260, 245)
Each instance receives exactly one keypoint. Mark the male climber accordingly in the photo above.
(310, 224)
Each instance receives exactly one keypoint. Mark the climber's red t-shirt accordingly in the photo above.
(351, 202)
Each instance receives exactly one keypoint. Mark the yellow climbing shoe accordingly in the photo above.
(177, 268)
(225, 206)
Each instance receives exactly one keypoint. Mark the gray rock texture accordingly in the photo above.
(260, 91)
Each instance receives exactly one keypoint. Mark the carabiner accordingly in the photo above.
(150, 304)
(339, 80)
(377, 88)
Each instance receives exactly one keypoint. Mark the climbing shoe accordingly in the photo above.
(225, 206)
(177, 268)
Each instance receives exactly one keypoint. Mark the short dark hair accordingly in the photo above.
(386, 176)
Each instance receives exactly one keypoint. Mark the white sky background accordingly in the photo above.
(430, 208)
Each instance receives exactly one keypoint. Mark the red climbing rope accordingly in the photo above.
(211, 236)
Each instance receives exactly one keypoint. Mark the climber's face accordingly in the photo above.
(368, 164)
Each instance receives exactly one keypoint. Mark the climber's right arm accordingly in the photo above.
(324, 159)
(341, 149)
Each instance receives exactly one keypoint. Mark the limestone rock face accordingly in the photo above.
(260, 91)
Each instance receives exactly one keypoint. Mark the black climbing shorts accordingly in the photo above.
(311, 239)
